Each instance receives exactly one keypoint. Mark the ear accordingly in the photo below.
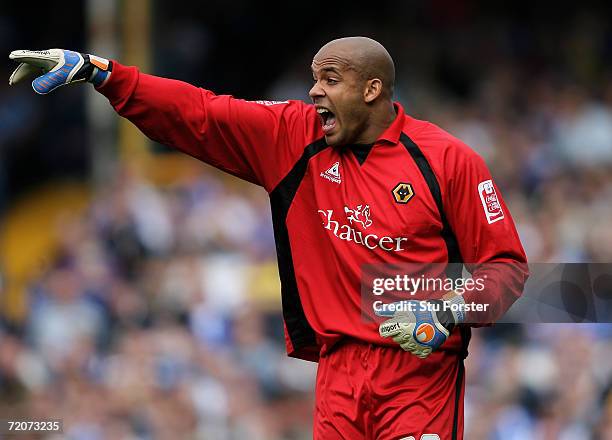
(372, 90)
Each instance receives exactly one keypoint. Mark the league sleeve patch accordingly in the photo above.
(263, 102)
(490, 202)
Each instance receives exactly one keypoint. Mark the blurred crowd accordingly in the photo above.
(148, 322)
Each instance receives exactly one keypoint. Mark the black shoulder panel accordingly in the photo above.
(452, 246)
(299, 330)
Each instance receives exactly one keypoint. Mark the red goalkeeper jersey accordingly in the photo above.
(416, 195)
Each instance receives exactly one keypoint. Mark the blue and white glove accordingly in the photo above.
(58, 67)
(417, 327)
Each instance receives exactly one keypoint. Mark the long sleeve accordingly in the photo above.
(258, 141)
(489, 243)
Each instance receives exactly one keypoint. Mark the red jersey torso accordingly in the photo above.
(417, 195)
(356, 205)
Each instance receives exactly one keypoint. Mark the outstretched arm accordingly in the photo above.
(256, 141)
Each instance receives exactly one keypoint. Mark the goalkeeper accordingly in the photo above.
(352, 180)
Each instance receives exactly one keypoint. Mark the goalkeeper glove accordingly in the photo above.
(58, 67)
(421, 327)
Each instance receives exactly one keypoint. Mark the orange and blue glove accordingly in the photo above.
(421, 326)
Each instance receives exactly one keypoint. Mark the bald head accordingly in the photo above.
(367, 57)
(353, 89)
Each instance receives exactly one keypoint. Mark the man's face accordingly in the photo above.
(338, 95)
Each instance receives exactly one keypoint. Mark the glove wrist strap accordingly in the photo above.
(97, 70)
(457, 307)
(451, 311)
(99, 77)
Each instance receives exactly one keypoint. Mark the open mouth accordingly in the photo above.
(328, 119)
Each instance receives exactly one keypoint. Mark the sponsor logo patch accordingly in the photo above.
(361, 215)
(403, 192)
(359, 219)
(490, 202)
(386, 328)
(333, 173)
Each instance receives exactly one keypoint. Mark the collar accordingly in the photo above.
(393, 132)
